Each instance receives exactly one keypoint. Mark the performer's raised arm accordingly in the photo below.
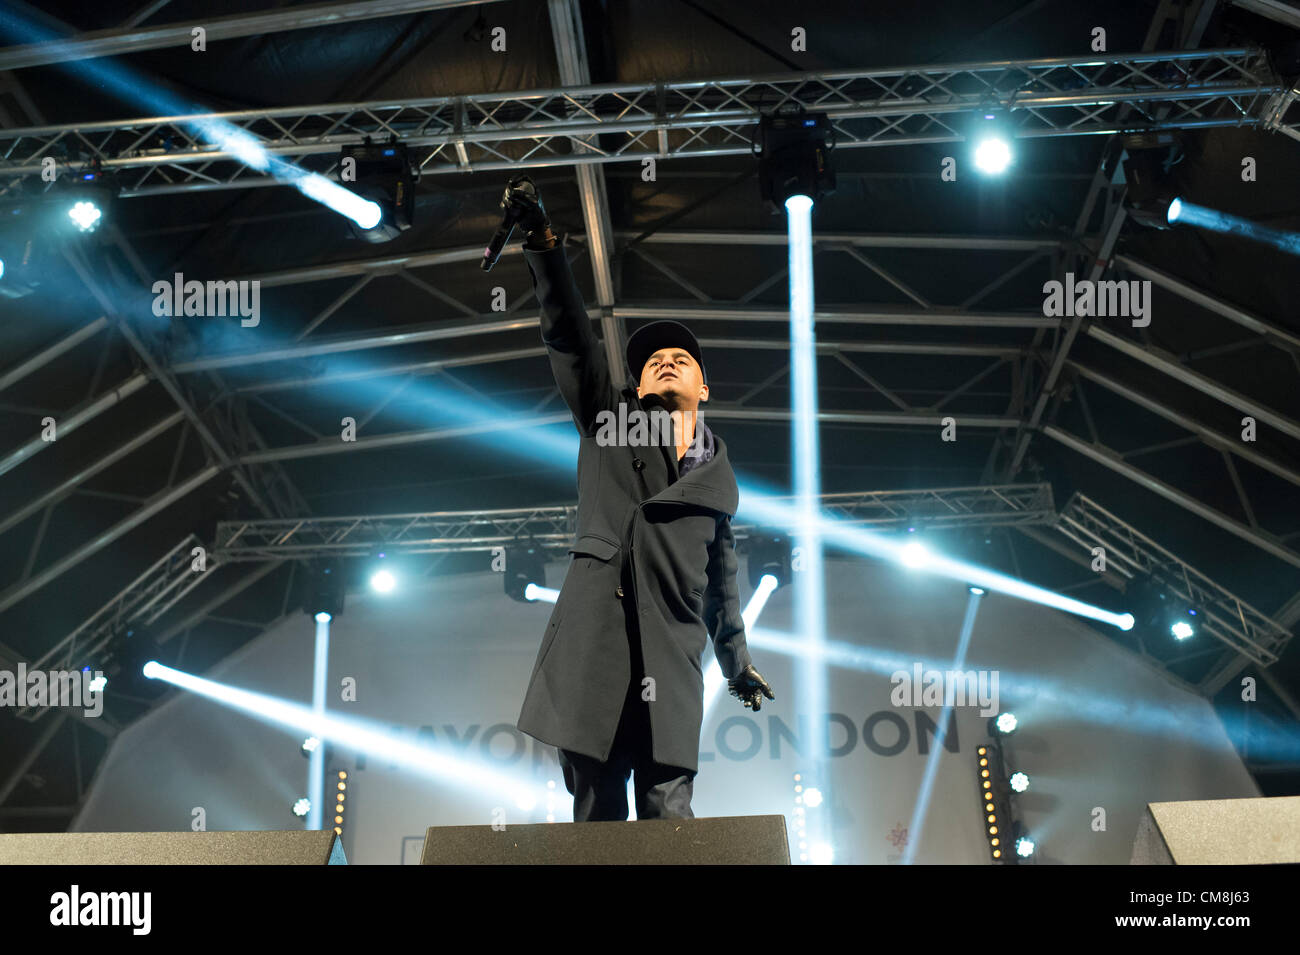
(577, 357)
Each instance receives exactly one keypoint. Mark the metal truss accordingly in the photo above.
(461, 531)
(1226, 616)
(144, 600)
(132, 37)
(1069, 96)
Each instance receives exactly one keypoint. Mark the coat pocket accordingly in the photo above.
(594, 545)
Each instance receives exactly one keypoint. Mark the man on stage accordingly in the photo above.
(618, 686)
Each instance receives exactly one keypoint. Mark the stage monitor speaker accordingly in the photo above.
(271, 847)
(1219, 832)
(724, 840)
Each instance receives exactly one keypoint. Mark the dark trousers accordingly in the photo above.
(600, 789)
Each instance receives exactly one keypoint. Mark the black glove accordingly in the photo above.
(522, 196)
(750, 688)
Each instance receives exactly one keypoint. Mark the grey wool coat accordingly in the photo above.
(674, 536)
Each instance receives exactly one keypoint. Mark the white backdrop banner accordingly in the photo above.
(1101, 732)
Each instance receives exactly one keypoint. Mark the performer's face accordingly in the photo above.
(673, 375)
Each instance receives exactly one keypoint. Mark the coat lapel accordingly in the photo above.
(712, 485)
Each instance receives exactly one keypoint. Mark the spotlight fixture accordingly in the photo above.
(310, 745)
(1004, 724)
(82, 203)
(383, 176)
(130, 649)
(976, 591)
(301, 807)
(990, 137)
(1159, 609)
(382, 578)
(1150, 196)
(768, 554)
(1024, 845)
(524, 565)
(323, 591)
(1019, 782)
(793, 148)
(914, 554)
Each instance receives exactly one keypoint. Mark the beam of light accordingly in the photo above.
(805, 453)
(1047, 700)
(932, 760)
(363, 736)
(345, 202)
(224, 136)
(760, 507)
(714, 681)
(535, 592)
(316, 759)
(1191, 214)
(758, 600)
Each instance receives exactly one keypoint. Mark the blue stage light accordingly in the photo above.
(382, 581)
(914, 554)
(86, 215)
(1190, 214)
(992, 155)
(1006, 723)
(1019, 782)
(442, 762)
(547, 594)
(1025, 847)
(323, 617)
(1181, 630)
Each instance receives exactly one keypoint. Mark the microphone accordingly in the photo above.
(500, 238)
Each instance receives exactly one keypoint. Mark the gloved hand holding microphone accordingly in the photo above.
(521, 205)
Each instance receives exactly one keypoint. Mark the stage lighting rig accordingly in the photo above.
(129, 648)
(383, 175)
(1159, 611)
(793, 148)
(769, 554)
(383, 577)
(1148, 159)
(990, 137)
(83, 201)
(997, 811)
(525, 564)
(323, 591)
